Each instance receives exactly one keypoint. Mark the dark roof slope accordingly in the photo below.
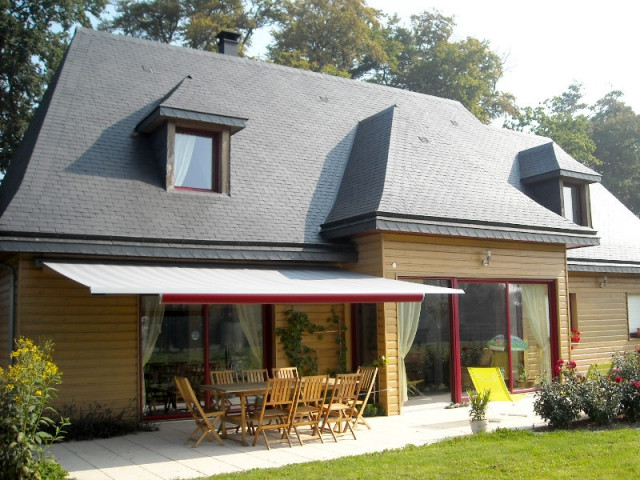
(551, 161)
(92, 186)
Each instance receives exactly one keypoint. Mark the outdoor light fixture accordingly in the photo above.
(487, 260)
(604, 282)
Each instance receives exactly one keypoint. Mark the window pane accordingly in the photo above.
(568, 203)
(235, 337)
(634, 315)
(483, 329)
(193, 161)
(428, 361)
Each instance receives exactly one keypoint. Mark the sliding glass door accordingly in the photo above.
(191, 340)
(505, 325)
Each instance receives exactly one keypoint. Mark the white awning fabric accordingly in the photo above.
(203, 285)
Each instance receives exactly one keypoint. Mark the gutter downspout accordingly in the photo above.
(12, 323)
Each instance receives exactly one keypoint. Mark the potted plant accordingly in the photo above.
(478, 413)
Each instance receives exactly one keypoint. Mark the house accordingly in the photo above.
(170, 208)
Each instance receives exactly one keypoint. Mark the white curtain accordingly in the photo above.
(184, 145)
(151, 325)
(535, 305)
(250, 317)
(408, 320)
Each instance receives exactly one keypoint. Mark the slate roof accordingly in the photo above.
(619, 231)
(319, 158)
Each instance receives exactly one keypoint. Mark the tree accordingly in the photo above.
(616, 134)
(192, 23)
(564, 119)
(34, 37)
(331, 36)
(422, 58)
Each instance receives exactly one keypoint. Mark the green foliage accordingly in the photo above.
(329, 36)
(99, 421)
(479, 404)
(26, 389)
(563, 119)
(192, 23)
(424, 58)
(627, 371)
(600, 398)
(603, 398)
(616, 134)
(34, 37)
(299, 355)
(341, 340)
(558, 400)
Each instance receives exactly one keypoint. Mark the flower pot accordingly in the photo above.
(478, 426)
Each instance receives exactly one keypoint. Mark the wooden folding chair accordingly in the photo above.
(285, 372)
(367, 382)
(307, 410)
(205, 421)
(254, 376)
(342, 406)
(276, 410)
(224, 377)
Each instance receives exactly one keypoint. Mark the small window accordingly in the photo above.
(196, 161)
(633, 312)
(573, 311)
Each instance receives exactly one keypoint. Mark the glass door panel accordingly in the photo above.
(235, 337)
(530, 322)
(428, 362)
(171, 345)
(482, 323)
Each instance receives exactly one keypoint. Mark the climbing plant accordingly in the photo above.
(341, 339)
(299, 355)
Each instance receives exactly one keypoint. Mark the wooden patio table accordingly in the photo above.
(242, 390)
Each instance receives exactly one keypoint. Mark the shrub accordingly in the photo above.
(26, 425)
(627, 372)
(558, 400)
(600, 398)
(99, 421)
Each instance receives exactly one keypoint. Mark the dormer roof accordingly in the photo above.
(547, 161)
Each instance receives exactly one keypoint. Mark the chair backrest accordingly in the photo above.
(367, 379)
(285, 372)
(346, 388)
(490, 378)
(280, 392)
(223, 377)
(313, 389)
(254, 376)
(189, 397)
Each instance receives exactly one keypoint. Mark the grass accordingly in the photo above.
(504, 454)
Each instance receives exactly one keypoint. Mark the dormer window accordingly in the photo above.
(557, 181)
(192, 147)
(196, 161)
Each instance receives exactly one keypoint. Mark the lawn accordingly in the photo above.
(505, 454)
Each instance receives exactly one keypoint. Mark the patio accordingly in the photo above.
(163, 454)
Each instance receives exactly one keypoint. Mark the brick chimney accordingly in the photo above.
(228, 43)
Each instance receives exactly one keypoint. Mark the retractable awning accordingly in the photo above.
(196, 285)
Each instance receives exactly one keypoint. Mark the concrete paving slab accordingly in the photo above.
(163, 455)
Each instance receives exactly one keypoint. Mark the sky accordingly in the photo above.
(546, 44)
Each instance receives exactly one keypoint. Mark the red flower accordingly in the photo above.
(618, 379)
(571, 364)
(559, 363)
(636, 383)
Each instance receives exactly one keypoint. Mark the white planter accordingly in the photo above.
(479, 425)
